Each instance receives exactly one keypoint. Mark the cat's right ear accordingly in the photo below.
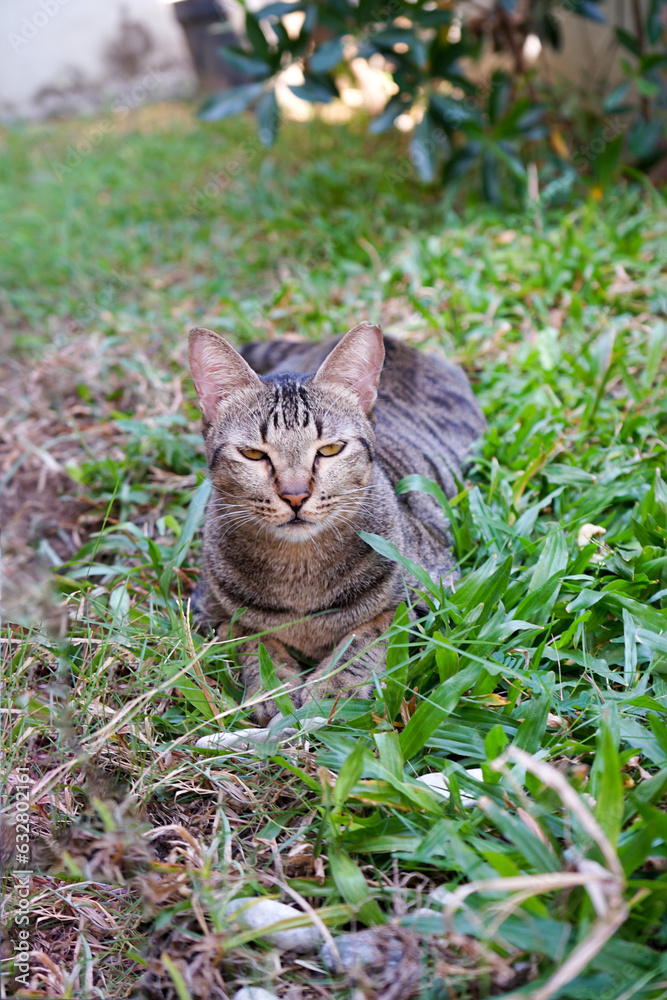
(217, 370)
(356, 363)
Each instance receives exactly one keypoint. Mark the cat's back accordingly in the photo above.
(427, 416)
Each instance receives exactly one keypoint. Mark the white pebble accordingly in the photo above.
(424, 920)
(245, 739)
(238, 739)
(442, 895)
(254, 993)
(257, 913)
(374, 947)
(587, 532)
(438, 782)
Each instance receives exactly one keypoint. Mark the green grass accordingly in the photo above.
(554, 643)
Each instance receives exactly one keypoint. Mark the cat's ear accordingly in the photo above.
(356, 363)
(217, 370)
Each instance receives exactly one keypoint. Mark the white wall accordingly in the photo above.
(590, 56)
(74, 56)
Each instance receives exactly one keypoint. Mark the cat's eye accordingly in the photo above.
(253, 453)
(327, 450)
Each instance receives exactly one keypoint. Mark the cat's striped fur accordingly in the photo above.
(423, 421)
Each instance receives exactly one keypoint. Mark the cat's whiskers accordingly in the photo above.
(233, 509)
(232, 528)
(344, 509)
(227, 509)
(311, 538)
(232, 514)
(219, 502)
(237, 520)
(355, 489)
(347, 524)
(236, 515)
(265, 526)
(351, 508)
(336, 532)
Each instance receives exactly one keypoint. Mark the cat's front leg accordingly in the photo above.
(286, 667)
(352, 679)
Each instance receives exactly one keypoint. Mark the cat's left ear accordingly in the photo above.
(218, 371)
(356, 363)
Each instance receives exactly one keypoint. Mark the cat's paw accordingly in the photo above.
(265, 710)
(344, 685)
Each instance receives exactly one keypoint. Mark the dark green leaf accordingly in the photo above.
(268, 118)
(491, 179)
(397, 662)
(280, 8)
(645, 138)
(538, 605)
(499, 97)
(386, 118)
(352, 886)
(552, 561)
(535, 853)
(532, 729)
(636, 847)
(495, 742)
(487, 585)
(449, 112)
(193, 520)
(447, 659)
(628, 41)
(326, 56)
(655, 24)
(316, 90)
(271, 683)
(607, 784)
(230, 102)
(389, 551)
(423, 149)
(435, 709)
(244, 63)
(659, 731)
(389, 751)
(349, 774)
(256, 36)
(615, 100)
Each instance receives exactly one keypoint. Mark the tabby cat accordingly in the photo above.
(304, 445)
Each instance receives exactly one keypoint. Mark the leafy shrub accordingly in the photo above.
(434, 60)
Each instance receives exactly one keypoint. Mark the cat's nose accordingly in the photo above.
(295, 500)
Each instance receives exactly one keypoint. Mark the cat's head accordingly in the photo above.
(292, 453)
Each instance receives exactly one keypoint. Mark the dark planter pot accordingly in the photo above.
(203, 24)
